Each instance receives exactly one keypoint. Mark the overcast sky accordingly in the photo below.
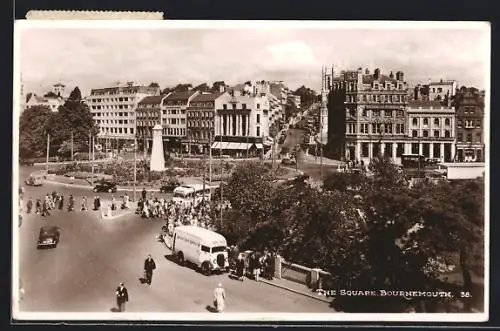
(94, 58)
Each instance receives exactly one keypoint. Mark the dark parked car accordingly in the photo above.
(49, 236)
(169, 185)
(288, 161)
(105, 187)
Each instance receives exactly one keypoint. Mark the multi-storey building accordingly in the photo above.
(469, 103)
(113, 108)
(366, 115)
(241, 123)
(173, 119)
(148, 114)
(442, 89)
(200, 118)
(431, 129)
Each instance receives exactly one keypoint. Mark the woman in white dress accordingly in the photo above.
(220, 298)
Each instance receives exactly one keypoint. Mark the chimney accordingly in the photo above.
(376, 75)
(367, 71)
(391, 75)
(400, 76)
(417, 92)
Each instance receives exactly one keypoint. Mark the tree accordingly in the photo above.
(33, 130)
(154, 84)
(74, 116)
(167, 90)
(28, 96)
(202, 88)
(307, 96)
(249, 190)
(182, 87)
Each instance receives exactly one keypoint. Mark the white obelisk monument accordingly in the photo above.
(157, 158)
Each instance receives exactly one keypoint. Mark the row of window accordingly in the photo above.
(122, 99)
(436, 134)
(478, 138)
(235, 106)
(201, 124)
(198, 114)
(469, 124)
(174, 111)
(115, 121)
(98, 107)
(376, 113)
(376, 128)
(148, 116)
(469, 110)
(375, 85)
(147, 123)
(147, 132)
(173, 121)
(117, 130)
(425, 121)
(380, 98)
(114, 114)
(199, 134)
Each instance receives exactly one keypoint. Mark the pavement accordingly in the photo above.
(95, 254)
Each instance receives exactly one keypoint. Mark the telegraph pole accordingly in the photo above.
(210, 160)
(221, 170)
(47, 156)
(135, 167)
(90, 146)
(72, 158)
(93, 157)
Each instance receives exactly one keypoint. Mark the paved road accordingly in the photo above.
(94, 255)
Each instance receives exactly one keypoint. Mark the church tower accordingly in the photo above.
(326, 87)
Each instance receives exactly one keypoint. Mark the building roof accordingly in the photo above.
(207, 97)
(426, 104)
(127, 89)
(368, 79)
(185, 95)
(151, 100)
(448, 82)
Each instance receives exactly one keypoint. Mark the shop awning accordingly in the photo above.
(233, 146)
(215, 145)
(258, 146)
(245, 146)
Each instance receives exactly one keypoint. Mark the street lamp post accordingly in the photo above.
(47, 156)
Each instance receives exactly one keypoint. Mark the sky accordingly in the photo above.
(100, 57)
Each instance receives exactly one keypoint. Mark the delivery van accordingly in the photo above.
(206, 249)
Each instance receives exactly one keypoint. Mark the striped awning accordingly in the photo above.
(215, 145)
(259, 146)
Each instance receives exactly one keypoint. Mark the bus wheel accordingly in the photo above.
(205, 269)
(180, 259)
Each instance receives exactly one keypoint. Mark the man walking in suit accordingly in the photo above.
(149, 266)
(121, 297)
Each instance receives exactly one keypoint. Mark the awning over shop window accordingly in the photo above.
(233, 146)
(258, 146)
(215, 145)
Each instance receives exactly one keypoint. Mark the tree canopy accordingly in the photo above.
(72, 117)
(371, 231)
(307, 96)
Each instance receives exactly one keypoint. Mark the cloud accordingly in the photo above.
(92, 58)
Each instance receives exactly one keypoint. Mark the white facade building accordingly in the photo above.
(439, 90)
(241, 122)
(431, 130)
(113, 109)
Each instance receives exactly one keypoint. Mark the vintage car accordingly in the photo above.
(169, 185)
(105, 187)
(49, 236)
